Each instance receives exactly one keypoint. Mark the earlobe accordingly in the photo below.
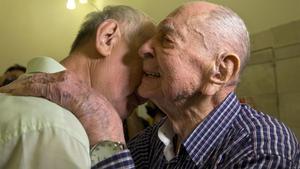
(107, 35)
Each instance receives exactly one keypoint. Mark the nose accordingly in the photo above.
(146, 50)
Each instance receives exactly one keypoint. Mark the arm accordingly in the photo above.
(96, 114)
(99, 118)
(265, 161)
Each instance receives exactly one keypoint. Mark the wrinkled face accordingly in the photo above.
(176, 63)
(123, 73)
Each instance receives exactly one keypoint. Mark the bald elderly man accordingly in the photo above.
(191, 68)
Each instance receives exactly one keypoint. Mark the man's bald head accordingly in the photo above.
(220, 29)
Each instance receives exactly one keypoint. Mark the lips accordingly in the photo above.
(152, 74)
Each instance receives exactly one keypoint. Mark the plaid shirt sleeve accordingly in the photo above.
(265, 162)
(119, 160)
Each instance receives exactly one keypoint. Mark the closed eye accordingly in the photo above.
(167, 41)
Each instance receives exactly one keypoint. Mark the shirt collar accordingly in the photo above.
(43, 64)
(166, 135)
(201, 143)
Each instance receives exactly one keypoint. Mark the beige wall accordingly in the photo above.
(258, 14)
(157, 9)
(264, 14)
(38, 27)
(271, 81)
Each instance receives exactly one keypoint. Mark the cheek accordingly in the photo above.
(180, 87)
(181, 82)
(130, 78)
(134, 67)
(136, 73)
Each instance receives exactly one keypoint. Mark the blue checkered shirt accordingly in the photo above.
(232, 136)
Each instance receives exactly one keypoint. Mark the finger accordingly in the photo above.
(10, 87)
(5, 89)
(21, 87)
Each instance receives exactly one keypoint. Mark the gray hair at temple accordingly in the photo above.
(130, 18)
(228, 33)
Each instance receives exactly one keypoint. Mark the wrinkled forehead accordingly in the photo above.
(172, 27)
(180, 23)
(192, 10)
(174, 21)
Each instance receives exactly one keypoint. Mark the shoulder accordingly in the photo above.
(21, 115)
(267, 135)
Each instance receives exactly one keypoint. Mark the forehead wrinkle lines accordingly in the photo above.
(169, 28)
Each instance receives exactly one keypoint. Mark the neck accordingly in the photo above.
(187, 116)
(79, 64)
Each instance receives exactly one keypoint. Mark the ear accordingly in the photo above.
(224, 71)
(107, 35)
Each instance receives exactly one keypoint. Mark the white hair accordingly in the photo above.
(227, 31)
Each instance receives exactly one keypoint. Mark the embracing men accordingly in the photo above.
(191, 67)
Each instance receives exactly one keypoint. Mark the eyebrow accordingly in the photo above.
(166, 27)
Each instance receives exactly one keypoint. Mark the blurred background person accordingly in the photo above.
(154, 112)
(144, 116)
(12, 73)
